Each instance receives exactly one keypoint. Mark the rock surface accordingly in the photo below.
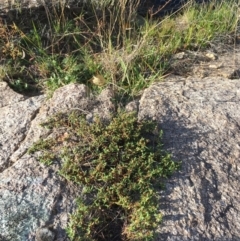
(34, 197)
(200, 117)
(16, 116)
(201, 120)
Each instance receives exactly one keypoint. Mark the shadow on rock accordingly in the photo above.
(200, 201)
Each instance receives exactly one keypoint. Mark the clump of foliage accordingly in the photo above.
(119, 164)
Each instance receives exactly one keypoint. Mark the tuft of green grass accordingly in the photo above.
(119, 165)
(58, 46)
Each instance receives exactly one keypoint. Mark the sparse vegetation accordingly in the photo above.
(130, 51)
(120, 165)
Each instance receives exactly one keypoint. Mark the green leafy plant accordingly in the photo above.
(119, 164)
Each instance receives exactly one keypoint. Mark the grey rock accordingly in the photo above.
(44, 234)
(33, 195)
(200, 119)
(16, 114)
(8, 96)
(132, 106)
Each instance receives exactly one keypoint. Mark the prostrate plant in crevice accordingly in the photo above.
(119, 164)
